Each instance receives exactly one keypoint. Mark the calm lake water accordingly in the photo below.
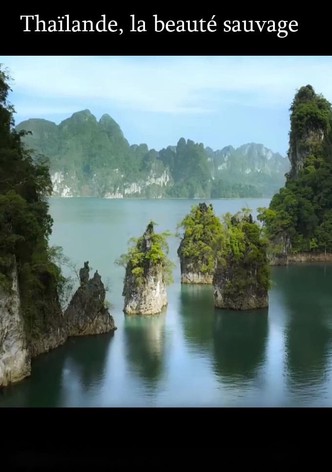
(192, 354)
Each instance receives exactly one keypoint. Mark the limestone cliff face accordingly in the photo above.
(303, 146)
(152, 185)
(190, 273)
(86, 313)
(15, 359)
(309, 125)
(228, 295)
(147, 298)
(48, 330)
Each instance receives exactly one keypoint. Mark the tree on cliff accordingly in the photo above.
(299, 218)
(242, 277)
(148, 271)
(25, 224)
(199, 245)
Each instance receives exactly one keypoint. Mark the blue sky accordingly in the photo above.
(216, 100)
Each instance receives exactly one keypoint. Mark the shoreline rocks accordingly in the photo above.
(86, 314)
(301, 258)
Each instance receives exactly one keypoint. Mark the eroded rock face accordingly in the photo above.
(147, 298)
(191, 275)
(230, 295)
(49, 330)
(309, 128)
(15, 359)
(86, 313)
(302, 147)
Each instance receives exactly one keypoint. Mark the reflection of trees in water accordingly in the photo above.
(307, 295)
(239, 343)
(237, 339)
(145, 345)
(89, 356)
(197, 314)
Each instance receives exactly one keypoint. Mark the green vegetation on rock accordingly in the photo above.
(148, 271)
(147, 252)
(242, 277)
(25, 224)
(201, 240)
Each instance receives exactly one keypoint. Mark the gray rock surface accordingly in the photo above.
(86, 313)
(15, 360)
(191, 275)
(149, 298)
(249, 296)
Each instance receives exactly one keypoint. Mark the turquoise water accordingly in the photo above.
(192, 354)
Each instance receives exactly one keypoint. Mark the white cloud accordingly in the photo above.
(218, 100)
(175, 84)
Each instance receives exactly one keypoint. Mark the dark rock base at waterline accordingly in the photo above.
(252, 302)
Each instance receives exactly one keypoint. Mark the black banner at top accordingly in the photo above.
(203, 30)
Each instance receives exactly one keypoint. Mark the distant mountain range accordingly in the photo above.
(88, 157)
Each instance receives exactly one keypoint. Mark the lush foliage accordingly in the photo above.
(94, 158)
(201, 238)
(25, 224)
(148, 252)
(299, 218)
(309, 111)
(243, 254)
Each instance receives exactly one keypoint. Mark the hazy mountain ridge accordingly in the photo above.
(88, 157)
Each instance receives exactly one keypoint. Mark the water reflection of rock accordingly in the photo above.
(307, 297)
(88, 357)
(145, 345)
(239, 344)
(197, 314)
(80, 361)
(44, 387)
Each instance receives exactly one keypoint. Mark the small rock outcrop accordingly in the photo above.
(87, 313)
(146, 275)
(241, 280)
(198, 246)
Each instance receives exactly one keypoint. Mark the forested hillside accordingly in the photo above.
(93, 158)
